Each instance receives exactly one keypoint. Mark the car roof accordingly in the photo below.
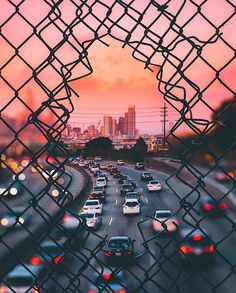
(91, 200)
(119, 238)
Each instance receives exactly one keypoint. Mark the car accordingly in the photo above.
(105, 280)
(164, 221)
(99, 189)
(117, 174)
(99, 196)
(101, 181)
(93, 206)
(139, 166)
(94, 168)
(121, 179)
(103, 175)
(126, 188)
(130, 181)
(132, 195)
(119, 247)
(81, 163)
(154, 185)
(108, 168)
(195, 245)
(146, 176)
(131, 206)
(114, 170)
(49, 253)
(93, 220)
(98, 159)
(16, 217)
(24, 278)
(120, 162)
(102, 166)
(224, 176)
(212, 206)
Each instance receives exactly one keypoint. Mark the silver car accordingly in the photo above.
(93, 220)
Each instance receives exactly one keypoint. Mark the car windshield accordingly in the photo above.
(87, 216)
(131, 194)
(162, 215)
(92, 203)
(131, 204)
(119, 243)
(20, 281)
(127, 186)
(154, 182)
(98, 188)
(147, 173)
(101, 179)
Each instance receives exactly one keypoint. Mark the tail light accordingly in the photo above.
(223, 206)
(107, 253)
(208, 207)
(197, 237)
(106, 276)
(185, 249)
(210, 248)
(58, 259)
(92, 291)
(121, 291)
(35, 261)
(3, 290)
(66, 217)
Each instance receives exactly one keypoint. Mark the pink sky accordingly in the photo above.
(118, 80)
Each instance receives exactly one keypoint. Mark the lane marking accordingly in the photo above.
(116, 201)
(111, 219)
(146, 200)
(116, 190)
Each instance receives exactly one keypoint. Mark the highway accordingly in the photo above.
(157, 266)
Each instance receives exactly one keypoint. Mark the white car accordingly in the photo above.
(154, 185)
(94, 168)
(120, 162)
(101, 181)
(164, 220)
(81, 163)
(131, 206)
(93, 206)
(98, 158)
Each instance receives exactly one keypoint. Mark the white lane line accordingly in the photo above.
(146, 200)
(116, 201)
(114, 182)
(111, 219)
(116, 190)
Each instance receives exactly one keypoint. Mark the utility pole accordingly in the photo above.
(164, 115)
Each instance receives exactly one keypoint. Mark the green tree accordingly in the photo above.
(98, 146)
(139, 150)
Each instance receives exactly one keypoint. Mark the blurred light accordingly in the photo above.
(197, 237)
(208, 207)
(106, 276)
(61, 181)
(13, 191)
(4, 222)
(3, 190)
(59, 259)
(66, 217)
(3, 157)
(22, 176)
(34, 170)
(55, 193)
(210, 248)
(3, 165)
(223, 206)
(24, 163)
(21, 220)
(185, 249)
(35, 261)
(3, 290)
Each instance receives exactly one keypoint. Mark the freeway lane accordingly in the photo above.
(165, 275)
(38, 215)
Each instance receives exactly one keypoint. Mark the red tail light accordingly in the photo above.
(185, 249)
(92, 291)
(106, 276)
(208, 207)
(58, 259)
(121, 291)
(210, 248)
(197, 237)
(223, 206)
(3, 290)
(66, 217)
(107, 253)
(35, 261)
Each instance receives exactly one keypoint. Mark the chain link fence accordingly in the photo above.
(45, 47)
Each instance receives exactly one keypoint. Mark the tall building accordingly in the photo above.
(131, 123)
(107, 125)
(114, 127)
(126, 123)
(120, 126)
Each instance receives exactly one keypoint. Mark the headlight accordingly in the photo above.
(22, 177)
(21, 220)
(4, 222)
(55, 193)
(13, 191)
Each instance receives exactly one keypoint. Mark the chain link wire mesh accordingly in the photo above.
(170, 38)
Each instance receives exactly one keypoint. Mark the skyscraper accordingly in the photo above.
(107, 125)
(131, 123)
(121, 123)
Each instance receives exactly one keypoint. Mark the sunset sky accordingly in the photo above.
(118, 80)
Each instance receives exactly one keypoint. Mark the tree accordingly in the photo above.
(139, 150)
(98, 146)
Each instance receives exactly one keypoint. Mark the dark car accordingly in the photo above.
(122, 179)
(126, 188)
(132, 195)
(99, 189)
(100, 196)
(117, 174)
(130, 181)
(212, 206)
(195, 245)
(146, 176)
(114, 170)
(139, 166)
(105, 280)
(108, 168)
(119, 247)
(49, 253)
(24, 278)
